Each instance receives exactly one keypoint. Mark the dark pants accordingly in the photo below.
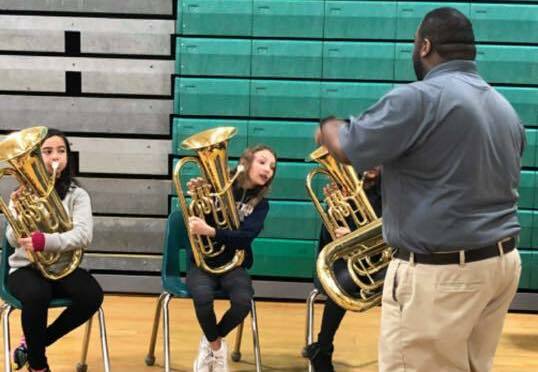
(35, 293)
(332, 312)
(202, 286)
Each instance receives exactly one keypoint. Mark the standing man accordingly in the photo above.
(450, 147)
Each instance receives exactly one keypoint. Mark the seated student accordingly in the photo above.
(28, 284)
(250, 190)
(320, 352)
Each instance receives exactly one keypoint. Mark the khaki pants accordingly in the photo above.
(445, 318)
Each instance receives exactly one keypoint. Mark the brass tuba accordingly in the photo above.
(214, 198)
(38, 207)
(364, 250)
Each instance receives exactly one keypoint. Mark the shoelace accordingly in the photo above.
(219, 361)
(207, 359)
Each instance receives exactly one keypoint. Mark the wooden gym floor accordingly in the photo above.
(281, 325)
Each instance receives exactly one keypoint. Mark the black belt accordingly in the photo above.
(449, 258)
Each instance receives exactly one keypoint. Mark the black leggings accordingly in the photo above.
(35, 293)
(332, 312)
(202, 286)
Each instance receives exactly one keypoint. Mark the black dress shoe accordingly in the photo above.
(320, 356)
(20, 356)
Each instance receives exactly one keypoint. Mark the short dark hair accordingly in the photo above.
(450, 33)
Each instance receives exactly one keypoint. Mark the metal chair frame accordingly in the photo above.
(175, 240)
(11, 303)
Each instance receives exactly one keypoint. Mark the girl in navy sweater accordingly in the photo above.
(250, 189)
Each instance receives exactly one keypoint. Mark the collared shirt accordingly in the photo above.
(450, 147)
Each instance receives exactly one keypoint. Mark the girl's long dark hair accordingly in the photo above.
(246, 159)
(64, 182)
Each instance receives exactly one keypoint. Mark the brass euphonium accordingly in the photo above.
(363, 250)
(214, 198)
(38, 206)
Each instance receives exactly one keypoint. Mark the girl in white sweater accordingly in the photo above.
(35, 291)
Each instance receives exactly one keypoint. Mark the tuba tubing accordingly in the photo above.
(363, 249)
(211, 148)
(39, 207)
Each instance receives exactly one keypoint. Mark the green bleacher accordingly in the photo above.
(273, 68)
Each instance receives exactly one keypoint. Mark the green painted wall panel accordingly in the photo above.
(214, 17)
(288, 18)
(534, 243)
(183, 128)
(212, 97)
(525, 102)
(410, 15)
(508, 64)
(286, 99)
(284, 258)
(290, 179)
(358, 61)
(290, 139)
(529, 156)
(403, 64)
(505, 22)
(526, 220)
(286, 58)
(225, 57)
(360, 20)
(345, 99)
(527, 187)
(291, 220)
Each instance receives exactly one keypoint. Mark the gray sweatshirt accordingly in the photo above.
(78, 206)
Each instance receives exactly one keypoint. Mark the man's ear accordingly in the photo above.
(425, 48)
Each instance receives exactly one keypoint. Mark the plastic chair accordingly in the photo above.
(11, 303)
(176, 239)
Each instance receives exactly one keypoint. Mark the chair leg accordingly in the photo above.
(82, 366)
(5, 311)
(310, 322)
(166, 332)
(104, 342)
(255, 336)
(236, 353)
(150, 357)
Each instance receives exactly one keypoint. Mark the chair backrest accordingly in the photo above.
(7, 250)
(175, 241)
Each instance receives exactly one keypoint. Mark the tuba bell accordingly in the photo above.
(363, 250)
(214, 198)
(38, 207)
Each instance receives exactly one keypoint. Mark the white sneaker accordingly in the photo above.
(220, 358)
(204, 360)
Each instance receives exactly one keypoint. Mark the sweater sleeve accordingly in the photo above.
(248, 230)
(80, 236)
